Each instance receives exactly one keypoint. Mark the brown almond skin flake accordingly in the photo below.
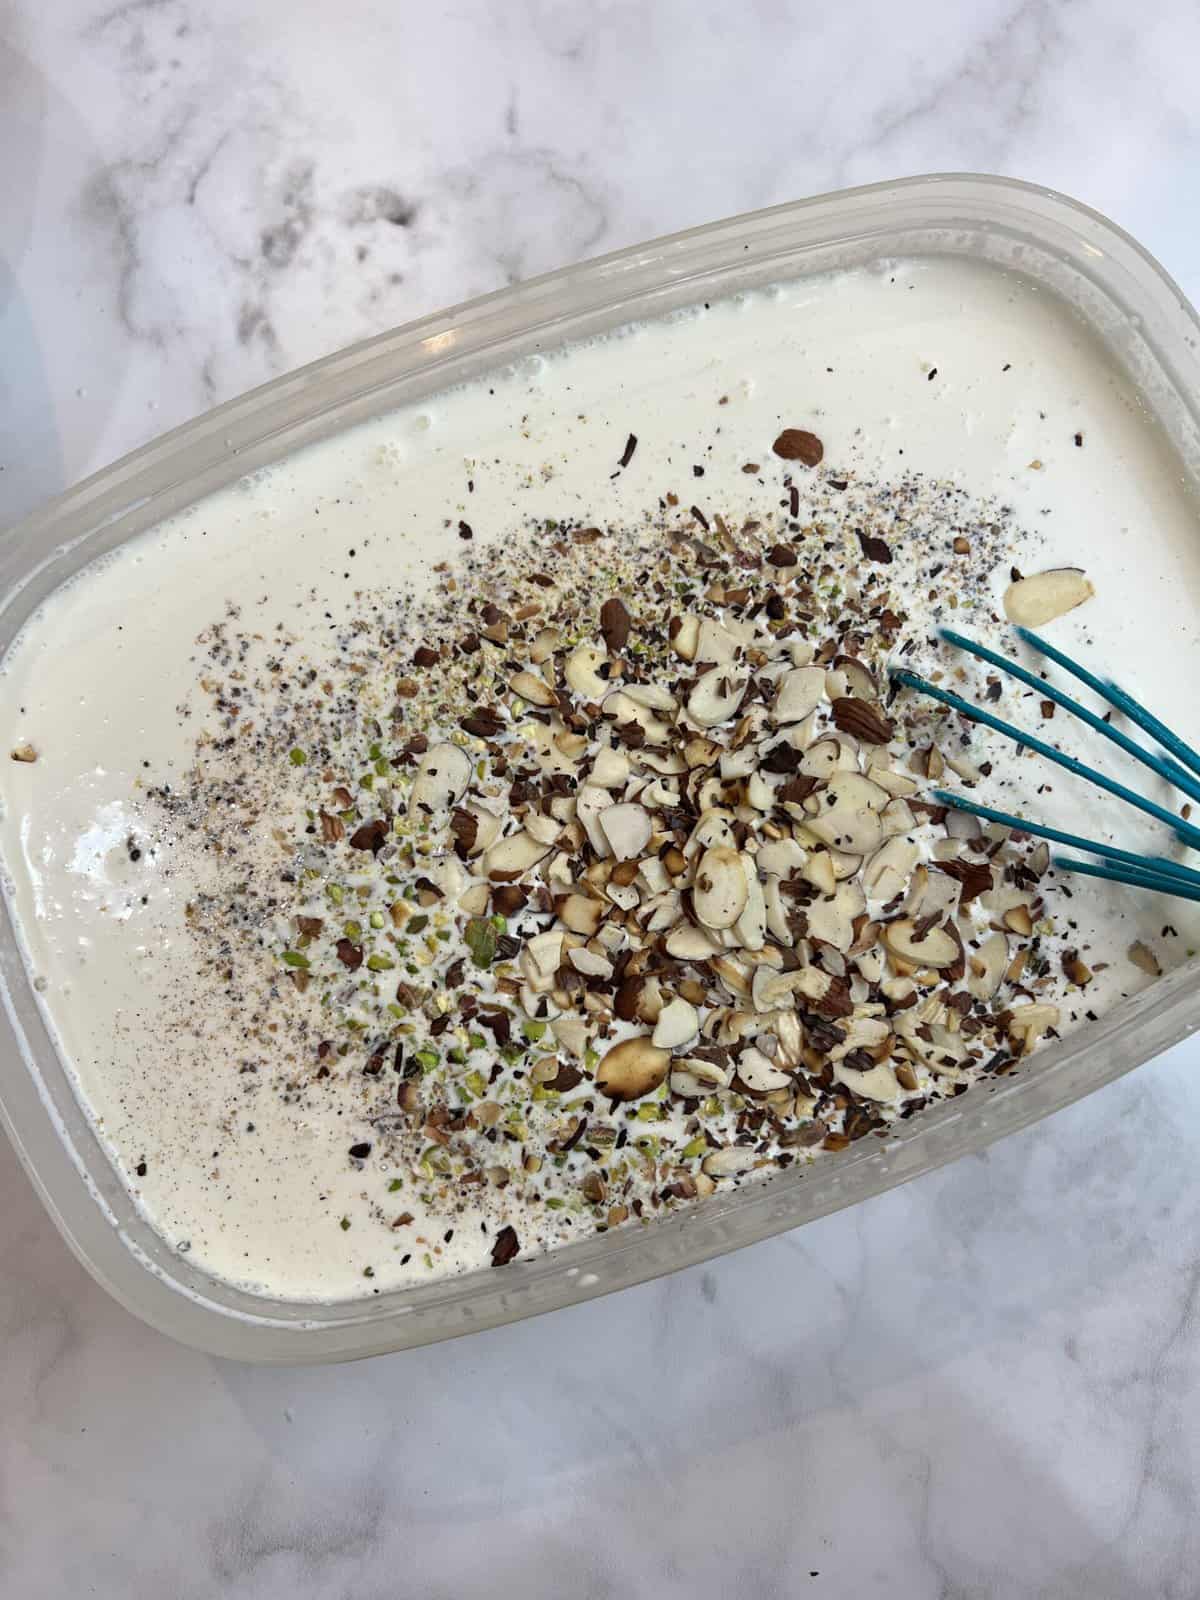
(371, 836)
(797, 444)
(349, 954)
(614, 625)
(875, 549)
(484, 723)
(863, 720)
(505, 1247)
(975, 876)
(465, 828)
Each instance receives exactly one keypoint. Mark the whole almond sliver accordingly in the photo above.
(1031, 602)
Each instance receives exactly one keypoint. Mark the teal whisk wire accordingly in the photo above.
(1131, 876)
(1184, 830)
(1168, 770)
(1110, 852)
(1117, 698)
(1180, 766)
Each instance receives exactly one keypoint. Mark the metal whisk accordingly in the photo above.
(1180, 766)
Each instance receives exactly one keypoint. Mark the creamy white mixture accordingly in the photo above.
(932, 367)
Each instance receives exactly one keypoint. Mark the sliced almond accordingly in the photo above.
(715, 643)
(871, 962)
(441, 780)
(896, 818)
(632, 1069)
(540, 960)
(734, 974)
(985, 966)
(580, 674)
(845, 825)
(759, 1073)
(860, 685)
(546, 641)
(580, 913)
(687, 1084)
(720, 891)
(832, 920)
(818, 870)
(878, 1083)
(626, 827)
(621, 707)
(714, 827)
(610, 769)
(1144, 958)
(686, 637)
(551, 756)
(687, 943)
(705, 1072)
(799, 692)
(590, 805)
(886, 874)
(623, 895)
(751, 926)
(571, 745)
(545, 830)
(1031, 602)
(780, 857)
(1019, 921)
(936, 949)
(700, 752)
(1028, 1023)
(653, 696)
(487, 829)
(661, 912)
(729, 1162)
(845, 865)
(509, 858)
(534, 688)
(771, 990)
(670, 762)
(678, 1022)
(778, 924)
(895, 783)
(590, 962)
(572, 1034)
(821, 759)
(715, 697)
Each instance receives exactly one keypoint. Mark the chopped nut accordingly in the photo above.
(933, 948)
(533, 688)
(614, 625)
(632, 1069)
(720, 891)
(1142, 956)
(1034, 601)
(677, 1023)
(797, 444)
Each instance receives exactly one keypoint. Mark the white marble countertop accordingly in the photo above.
(986, 1384)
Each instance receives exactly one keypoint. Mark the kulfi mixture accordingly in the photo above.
(497, 823)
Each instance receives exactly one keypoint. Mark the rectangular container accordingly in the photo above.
(1151, 334)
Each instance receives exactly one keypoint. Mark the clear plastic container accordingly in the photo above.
(1151, 333)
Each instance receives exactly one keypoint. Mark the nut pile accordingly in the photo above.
(612, 876)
